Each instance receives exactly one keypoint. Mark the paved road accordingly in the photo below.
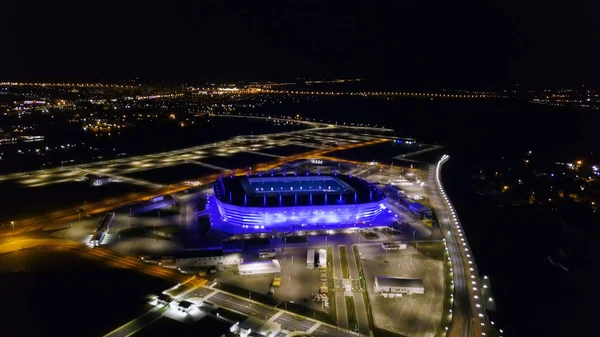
(361, 310)
(287, 320)
(340, 300)
(243, 306)
(469, 315)
(326, 331)
(291, 323)
(138, 323)
(201, 292)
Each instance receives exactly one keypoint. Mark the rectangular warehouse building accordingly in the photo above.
(322, 258)
(388, 286)
(310, 258)
(259, 268)
(393, 245)
(202, 258)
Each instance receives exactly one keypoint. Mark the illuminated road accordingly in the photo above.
(289, 321)
(462, 324)
(469, 315)
(311, 123)
(245, 307)
(113, 203)
(139, 323)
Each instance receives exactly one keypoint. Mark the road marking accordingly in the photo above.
(274, 317)
(210, 295)
(266, 154)
(313, 328)
(214, 167)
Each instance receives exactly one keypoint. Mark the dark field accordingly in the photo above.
(383, 152)
(173, 174)
(20, 201)
(61, 293)
(208, 326)
(287, 150)
(240, 160)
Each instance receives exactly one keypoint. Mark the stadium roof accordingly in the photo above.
(292, 190)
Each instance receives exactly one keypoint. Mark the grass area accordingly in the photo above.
(363, 286)
(162, 232)
(435, 250)
(344, 259)
(329, 268)
(370, 235)
(351, 310)
(447, 304)
(425, 202)
(331, 294)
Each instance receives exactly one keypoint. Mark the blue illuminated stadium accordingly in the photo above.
(289, 202)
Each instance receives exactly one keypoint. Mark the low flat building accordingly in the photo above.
(164, 299)
(322, 258)
(202, 258)
(389, 286)
(259, 267)
(186, 306)
(393, 245)
(310, 258)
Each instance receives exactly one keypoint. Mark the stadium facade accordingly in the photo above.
(289, 202)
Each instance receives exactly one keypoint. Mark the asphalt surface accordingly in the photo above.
(291, 323)
(325, 331)
(340, 299)
(359, 303)
(201, 292)
(138, 323)
(288, 321)
(463, 324)
(243, 306)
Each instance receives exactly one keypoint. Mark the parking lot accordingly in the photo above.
(298, 283)
(410, 315)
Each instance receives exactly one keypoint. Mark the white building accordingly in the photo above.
(310, 258)
(186, 306)
(393, 245)
(202, 258)
(388, 286)
(259, 267)
(322, 258)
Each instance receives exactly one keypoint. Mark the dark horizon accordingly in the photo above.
(473, 44)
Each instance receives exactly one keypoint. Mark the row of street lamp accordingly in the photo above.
(474, 281)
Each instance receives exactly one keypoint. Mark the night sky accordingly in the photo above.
(448, 43)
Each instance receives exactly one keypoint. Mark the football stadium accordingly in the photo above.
(287, 202)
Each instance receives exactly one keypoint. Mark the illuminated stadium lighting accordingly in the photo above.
(294, 202)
